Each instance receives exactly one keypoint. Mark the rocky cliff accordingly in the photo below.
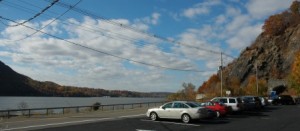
(272, 55)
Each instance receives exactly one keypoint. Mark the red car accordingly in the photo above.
(220, 108)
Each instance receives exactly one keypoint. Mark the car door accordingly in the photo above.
(178, 109)
(233, 103)
(211, 106)
(165, 110)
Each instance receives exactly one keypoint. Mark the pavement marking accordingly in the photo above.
(131, 116)
(39, 119)
(143, 130)
(60, 117)
(71, 122)
(176, 123)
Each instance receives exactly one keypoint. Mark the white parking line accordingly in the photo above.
(62, 117)
(130, 116)
(143, 130)
(176, 123)
(71, 122)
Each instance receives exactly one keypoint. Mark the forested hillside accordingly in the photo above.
(15, 84)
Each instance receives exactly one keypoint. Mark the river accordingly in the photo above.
(47, 102)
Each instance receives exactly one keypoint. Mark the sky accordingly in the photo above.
(135, 45)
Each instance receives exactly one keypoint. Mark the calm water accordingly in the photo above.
(42, 102)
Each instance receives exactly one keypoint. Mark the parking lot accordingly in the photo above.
(275, 118)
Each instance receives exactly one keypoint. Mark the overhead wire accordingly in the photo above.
(83, 25)
(53, 20)
(117, 35)
(37, 14)
(121, 36)
(102, 52)
(103, 32)
(88, 13)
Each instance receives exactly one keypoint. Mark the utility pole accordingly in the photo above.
(256, 74)
(221, 68)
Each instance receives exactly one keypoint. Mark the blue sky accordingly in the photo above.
(226, 26)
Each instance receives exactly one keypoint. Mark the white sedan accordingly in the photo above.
(184, 110)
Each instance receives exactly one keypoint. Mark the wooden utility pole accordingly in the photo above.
(221, 68)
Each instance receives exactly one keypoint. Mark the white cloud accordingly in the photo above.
(153, 19)
(220, 19)
(263, 8)
(192, 12)
(244, 37)
(200, 9)
(50, 59)
(232, 11)
(238, 22)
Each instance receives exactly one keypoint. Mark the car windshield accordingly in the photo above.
(193, 105)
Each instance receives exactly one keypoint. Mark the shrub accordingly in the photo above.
(96, 106)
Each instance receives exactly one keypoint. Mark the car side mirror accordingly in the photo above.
(163, 108)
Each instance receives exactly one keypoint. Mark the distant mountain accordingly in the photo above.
(15, 84)
(271, 55)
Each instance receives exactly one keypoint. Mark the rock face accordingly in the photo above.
(273, 56)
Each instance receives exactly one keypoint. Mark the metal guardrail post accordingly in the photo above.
(29, 113)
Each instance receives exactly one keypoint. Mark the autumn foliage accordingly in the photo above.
(294, 78)
(211, 87)
(188, 93)
(276, 24)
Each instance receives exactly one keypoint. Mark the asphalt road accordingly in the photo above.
(273, 118)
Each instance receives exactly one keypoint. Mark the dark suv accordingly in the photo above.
(284, 100)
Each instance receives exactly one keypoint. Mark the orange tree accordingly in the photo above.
(233, 85)
(294, 77)
(262, 87)
(295, 7)
(250, 88)
(188, 93)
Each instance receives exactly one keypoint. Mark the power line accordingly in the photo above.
(86, 12)
(53, 20)
(36, 15)
(103, 32)
(102, 52)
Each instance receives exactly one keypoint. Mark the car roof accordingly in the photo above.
(224, 97)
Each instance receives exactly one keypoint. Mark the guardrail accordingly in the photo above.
(73, 109)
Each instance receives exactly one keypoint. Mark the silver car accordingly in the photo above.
(184, 110)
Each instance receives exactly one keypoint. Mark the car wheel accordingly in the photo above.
(218, 114)
(185, 118)
(153, 116)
